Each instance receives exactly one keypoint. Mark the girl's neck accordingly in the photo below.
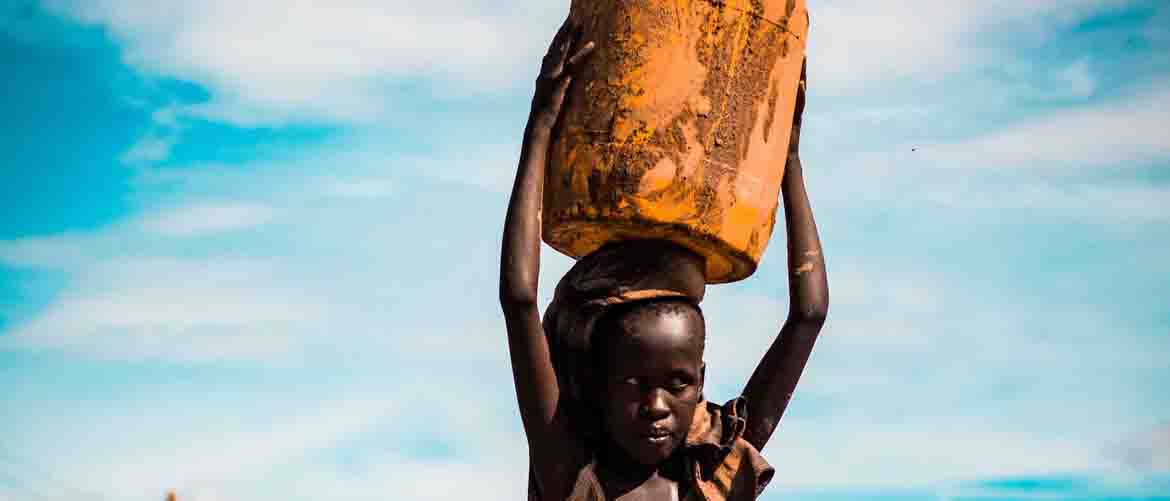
(620, 473)
(617, 462)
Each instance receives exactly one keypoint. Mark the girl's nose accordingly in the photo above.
(654, 405)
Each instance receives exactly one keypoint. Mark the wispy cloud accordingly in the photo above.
(209, 218)
(1127, 204)
(1055, 163)
(361, 188)
(199, 450)
(327, 293)
(1078, 79)
(1128, 131)
(182, 309)
(156, 144)
(337, 62)
(326, 283)
(1148, 451)
(374, 264)
(858, 44)
(151, 148)
(342, 62)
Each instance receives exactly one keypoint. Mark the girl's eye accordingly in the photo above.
(677, 385)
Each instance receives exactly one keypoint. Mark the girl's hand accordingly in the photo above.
(556, 72)
(793, 160)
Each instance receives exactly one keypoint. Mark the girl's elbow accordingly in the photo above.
(812, 314)
(512, 297)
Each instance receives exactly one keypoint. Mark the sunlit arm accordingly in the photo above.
(536, 386)
(552, 451)
(771, 385)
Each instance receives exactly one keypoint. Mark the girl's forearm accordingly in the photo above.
(807, 279)
(772, 384)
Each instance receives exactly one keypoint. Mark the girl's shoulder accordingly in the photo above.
(725, 466)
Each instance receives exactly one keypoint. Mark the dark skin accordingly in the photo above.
(652, 374)
(652, 371)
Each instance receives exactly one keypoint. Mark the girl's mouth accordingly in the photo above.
(657, 435)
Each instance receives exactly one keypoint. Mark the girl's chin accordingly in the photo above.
(653, 452)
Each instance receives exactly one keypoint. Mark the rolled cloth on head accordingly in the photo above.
(618, 273)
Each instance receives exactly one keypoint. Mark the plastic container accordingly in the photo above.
(677, 128)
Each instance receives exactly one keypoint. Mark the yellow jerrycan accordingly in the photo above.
(677, 128)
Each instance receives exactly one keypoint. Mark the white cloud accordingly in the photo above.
(207, 219)
(34, 481)
(361, 188)
(1108, 204)
(1128, 131)
(928, 371)
(488, 168)
(820, 453)
(372, 282)
(370, 435)
(1055, 164)
(156, 144)
(854, 44)
(181, 309)
(1148, 451)
(61, 251)
(922, 374)
(347, 287)
(1078, 78)
(273, 61)
(211, 446)
(151, 148)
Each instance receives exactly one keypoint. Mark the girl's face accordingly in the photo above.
(653, 380)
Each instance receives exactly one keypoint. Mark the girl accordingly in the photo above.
(610, 385)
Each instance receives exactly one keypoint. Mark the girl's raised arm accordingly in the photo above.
(532, 370)
(771, 385)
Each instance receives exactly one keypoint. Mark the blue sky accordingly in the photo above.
(249, 251)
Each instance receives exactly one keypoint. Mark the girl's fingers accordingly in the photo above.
(557, 63)
(563, 85)
(801, 87)
(551, 65)
(580, 55)
(562, 35)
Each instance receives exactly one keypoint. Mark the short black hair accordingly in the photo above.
(578, 371)
(609, 323)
